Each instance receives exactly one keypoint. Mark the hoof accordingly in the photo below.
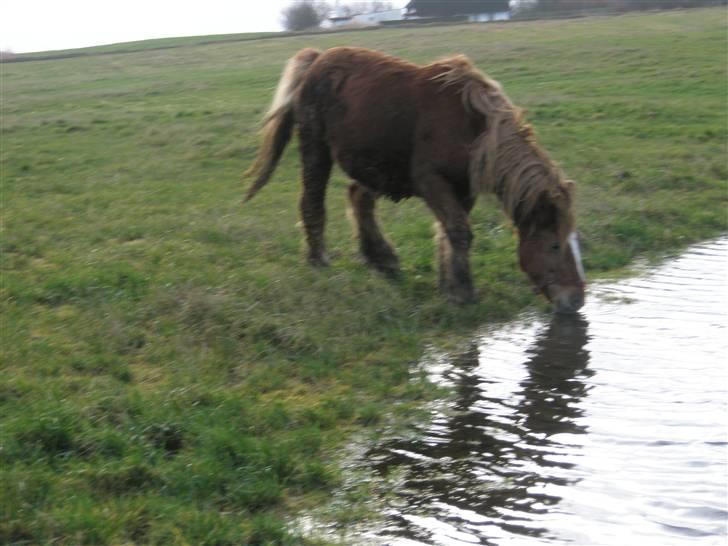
(318, 261)
(461, 297)
(389, 269)
(381, 258)
(462, 300)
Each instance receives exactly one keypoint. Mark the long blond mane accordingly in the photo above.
(506, 159)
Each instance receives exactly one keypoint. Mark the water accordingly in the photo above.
(606, 428)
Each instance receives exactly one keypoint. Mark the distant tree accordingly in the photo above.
(444, 8)
(304, 14)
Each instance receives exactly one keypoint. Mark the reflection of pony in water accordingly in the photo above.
(444, 132)
(499, 447)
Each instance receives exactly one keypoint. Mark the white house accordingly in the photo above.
(336, 21)
(363, 19)
(485, 17)
(377, 17)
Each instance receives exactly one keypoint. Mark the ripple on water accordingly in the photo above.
(608, 428)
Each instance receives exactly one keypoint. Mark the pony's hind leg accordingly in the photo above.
(316, 160)
(453, 239)
(375, 249)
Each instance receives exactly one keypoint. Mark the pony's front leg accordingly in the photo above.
(316, 161)
(453, 249)
(453, 239)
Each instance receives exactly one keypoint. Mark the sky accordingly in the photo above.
(40, 25)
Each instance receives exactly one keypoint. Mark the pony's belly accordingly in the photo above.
(383, 175)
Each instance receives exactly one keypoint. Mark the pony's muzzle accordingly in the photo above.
(568, 299)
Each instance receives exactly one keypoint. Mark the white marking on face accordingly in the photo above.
(576, 251)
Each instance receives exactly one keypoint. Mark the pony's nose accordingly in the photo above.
(576, 301)
(569, 302)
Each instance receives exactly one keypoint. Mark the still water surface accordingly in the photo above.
(607, 428)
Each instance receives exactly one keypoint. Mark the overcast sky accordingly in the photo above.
(39, 25)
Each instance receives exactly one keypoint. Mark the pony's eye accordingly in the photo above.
(555, 247)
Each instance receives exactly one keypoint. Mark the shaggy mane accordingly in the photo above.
(506, 159)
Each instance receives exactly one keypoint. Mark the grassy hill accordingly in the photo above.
(172, 371)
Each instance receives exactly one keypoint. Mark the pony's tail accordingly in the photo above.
(279, 121)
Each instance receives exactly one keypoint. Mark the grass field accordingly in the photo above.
(172, 371)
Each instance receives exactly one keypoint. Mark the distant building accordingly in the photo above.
(363, 19)
(473, 10)
(336, 21)
(424, 10)
(485, 17)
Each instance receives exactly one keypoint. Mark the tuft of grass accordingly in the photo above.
(173, 372)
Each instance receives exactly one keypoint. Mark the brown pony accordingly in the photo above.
(444, 132)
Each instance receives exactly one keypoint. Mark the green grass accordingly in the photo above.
(172, 372)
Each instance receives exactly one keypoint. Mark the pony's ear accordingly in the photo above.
(561, 195)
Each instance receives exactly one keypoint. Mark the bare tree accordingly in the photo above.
(301, 15)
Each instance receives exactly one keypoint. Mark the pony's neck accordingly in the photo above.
(520, 172)
(507, 161)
